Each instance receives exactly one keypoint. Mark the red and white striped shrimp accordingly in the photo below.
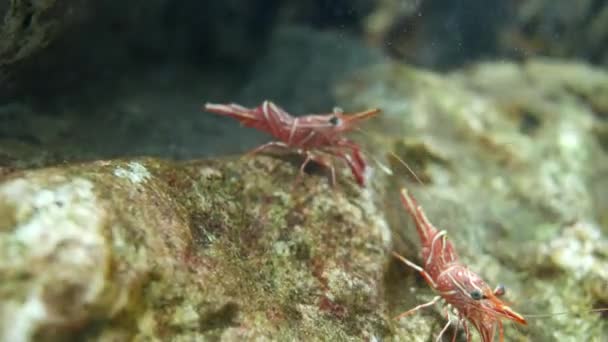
(315, 136)
(475, 302)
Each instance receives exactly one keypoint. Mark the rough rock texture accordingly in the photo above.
(439, 34)
(28, 27)
(559, 28)
(116, 250)
(435, 33)
(386, 16)
(514, 169)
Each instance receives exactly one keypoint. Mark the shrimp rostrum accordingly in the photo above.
(316, 136)
(464, 290)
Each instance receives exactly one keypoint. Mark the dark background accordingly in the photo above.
(121, 78)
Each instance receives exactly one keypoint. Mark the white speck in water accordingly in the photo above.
(569, 138)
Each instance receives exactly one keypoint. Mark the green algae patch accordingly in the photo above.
(224, 249)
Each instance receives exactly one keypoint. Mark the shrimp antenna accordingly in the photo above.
(387, 169)
(409, 169)
(564, 313)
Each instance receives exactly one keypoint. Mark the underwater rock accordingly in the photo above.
(231, 249)
(559, 28)
(28, 27)
(581, 251)
(508, 156)
(386, 17)
(435, 33)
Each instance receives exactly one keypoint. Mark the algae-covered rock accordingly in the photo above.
(231, 250)
(513, 166)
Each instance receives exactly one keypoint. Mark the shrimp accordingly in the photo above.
(454, 282)
(314, 136)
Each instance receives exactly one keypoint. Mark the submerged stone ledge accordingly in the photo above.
(146, 248)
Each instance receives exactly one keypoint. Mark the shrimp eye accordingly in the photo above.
(334, 120)
(476, 294)
(500, 290)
